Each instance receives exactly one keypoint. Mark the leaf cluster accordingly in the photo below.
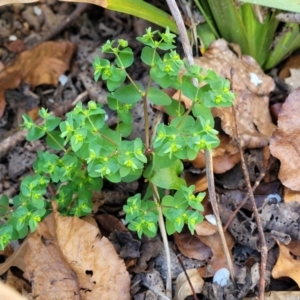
(85, 151)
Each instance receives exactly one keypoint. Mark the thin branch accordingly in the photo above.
(243, 202)
(264, 249)
(186, 275)
(79, 10)
(208, 157)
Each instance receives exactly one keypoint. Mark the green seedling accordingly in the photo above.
(88, 152)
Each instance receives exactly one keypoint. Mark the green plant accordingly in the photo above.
(255, 30)
(88, 151)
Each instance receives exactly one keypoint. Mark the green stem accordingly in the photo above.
(145, 107)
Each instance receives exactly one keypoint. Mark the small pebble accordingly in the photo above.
(12, 38)
(211, 219)
(221, 277)
(63, 79)
(37, 11)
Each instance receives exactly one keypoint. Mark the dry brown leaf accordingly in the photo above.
(16, 259)
(209, 235)
(109, 223)
(183, 288)
(8, 293)
(290, 195)
(199, 180)
(251, 86)
(87, 264)
(41, 65)
(18, 283)
(102, 3)
(46, 268)
(285, 142)
(5, 2)
(287, 265)
(293, 62)
(273, 295)
(190, 246)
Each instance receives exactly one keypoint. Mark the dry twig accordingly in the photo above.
(243, 202)
(208, 157)
(264, 249)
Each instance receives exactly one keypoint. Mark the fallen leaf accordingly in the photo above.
(18, 283)
(285, 142)
(16, 259)
(290, 195)
(252, 88)
(199, 180)
(287, 265)
(183, 288)
(209, 235)
(41, 65)
(68, 256)
(273, 295)
(109, 223)
(8, 293)
(294, 80)
(293, 62)
(191, 247)
(150, 249)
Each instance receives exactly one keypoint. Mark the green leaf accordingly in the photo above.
(78, 138)
(52, 122)
(4, 204)
(189, 90)
(125, 58)
(128, 93)
(230, 23)
(162, 80)
(35, 133)
(143, 10)
(55, 141)
(124, 129)
(125, 115)
(158, 97)
(149, 56)
(289, 5)
(5, 235)
(168, 178)
(175, 109)
(286, 42)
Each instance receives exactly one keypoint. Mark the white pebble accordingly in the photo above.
(211, 219)
(221, 277)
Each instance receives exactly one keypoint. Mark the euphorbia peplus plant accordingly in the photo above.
(91, 152)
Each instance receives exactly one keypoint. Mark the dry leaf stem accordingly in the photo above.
(208, 157)
(187, 276)
(243, 202)
(264, 249)
(79, 10)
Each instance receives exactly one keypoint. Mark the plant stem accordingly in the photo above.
(214, 204)
(208, 157)
(145, 107)
(263, 248)
(163, 232)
